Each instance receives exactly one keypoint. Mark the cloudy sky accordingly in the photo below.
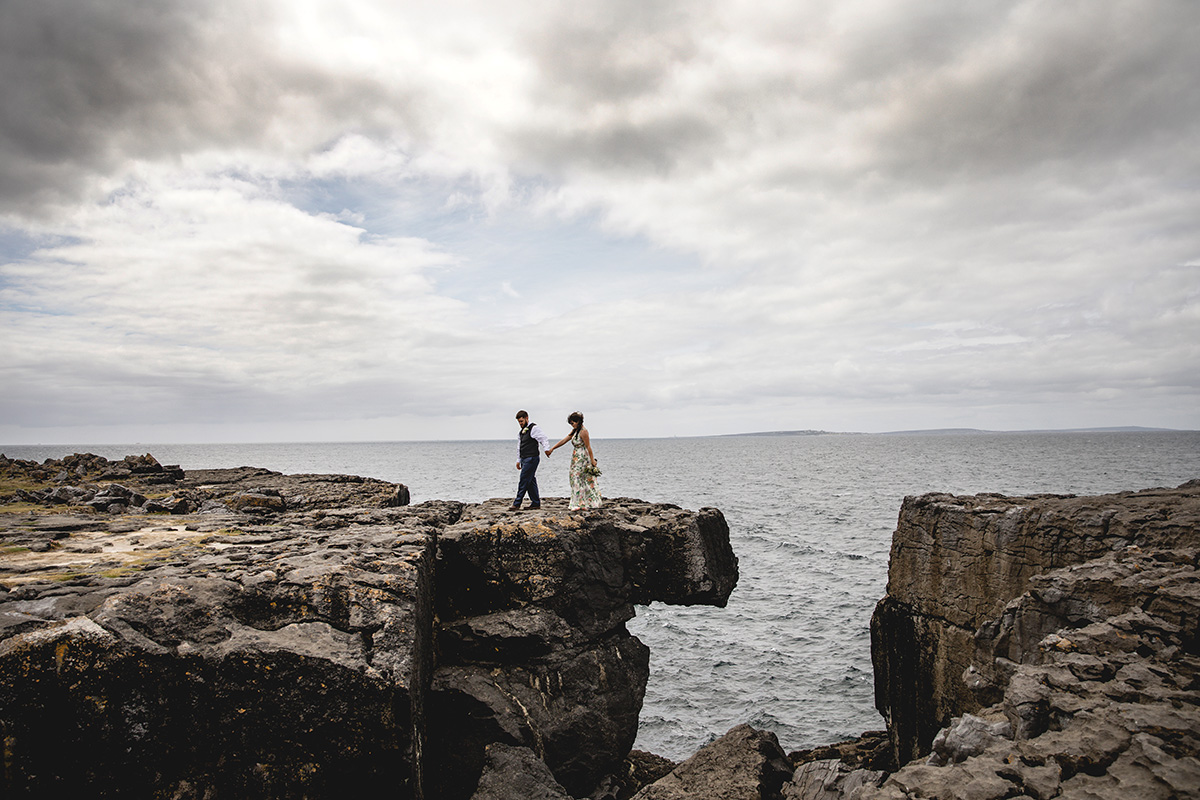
(254, 220)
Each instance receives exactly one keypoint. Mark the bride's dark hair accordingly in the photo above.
(574, 417)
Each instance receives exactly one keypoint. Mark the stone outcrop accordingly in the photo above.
(1047, 646)
(510, 772)
(830, 779)
(956, 562)
(306, 636)
(87, 481)
(744, 764)
(213, 655)
(532, 641)
(1029, 647)
(85, 468)
(839, 771)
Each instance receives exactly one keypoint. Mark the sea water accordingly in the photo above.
(811, 519)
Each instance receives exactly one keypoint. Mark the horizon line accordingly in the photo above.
(792, 432)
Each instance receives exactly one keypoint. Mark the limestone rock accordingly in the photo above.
(261, 501)
(642, 769)
(967, 736)
(532, 644)
(830, 779)
(870, 751)
(281, 636)
(1094, 675)
(302, 492)
(211, 676)
(957, 561)
(744, 764)
(516, 773)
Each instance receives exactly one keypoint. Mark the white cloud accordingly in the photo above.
(304, 210)
(211, 283)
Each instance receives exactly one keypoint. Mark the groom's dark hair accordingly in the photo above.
(522, 413)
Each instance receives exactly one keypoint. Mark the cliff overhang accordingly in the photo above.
(263, 635)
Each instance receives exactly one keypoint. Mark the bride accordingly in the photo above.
(585, 493)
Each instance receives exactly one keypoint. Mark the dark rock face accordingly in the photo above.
(957, 561)
(1084, 682)
(309, 636)
(532, 641)
(511, 772)
(265, 664)
(744, 764)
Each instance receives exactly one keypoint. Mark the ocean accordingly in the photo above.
(810, 517)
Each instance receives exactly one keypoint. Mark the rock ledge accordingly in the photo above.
(272, 636)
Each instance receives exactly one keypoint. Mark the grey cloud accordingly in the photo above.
(976, 202)
(80, 75)
(89, 84)
(619, 146)
(603, 72)
(1087, 82)
(924, 93)
(611, 52)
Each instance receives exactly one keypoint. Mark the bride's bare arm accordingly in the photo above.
(587, 442)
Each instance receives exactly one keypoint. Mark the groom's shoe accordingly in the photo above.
(535, 508)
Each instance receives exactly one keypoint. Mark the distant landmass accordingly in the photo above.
(785, 433)
(959, 431)
(1113, 429)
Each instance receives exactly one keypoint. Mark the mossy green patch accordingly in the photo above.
(120, 572)
(63, 577)
(23, 508)
(10, 484)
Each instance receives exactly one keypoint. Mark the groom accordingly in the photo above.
(531, 442)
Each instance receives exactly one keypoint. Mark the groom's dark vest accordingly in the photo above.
(529, 445)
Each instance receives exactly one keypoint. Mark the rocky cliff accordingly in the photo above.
(1028, 647)
(1043, 646)
(241, 633)
(957, 562)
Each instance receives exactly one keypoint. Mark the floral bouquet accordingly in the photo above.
(591, 471)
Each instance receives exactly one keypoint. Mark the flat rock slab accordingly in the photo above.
(261, 661)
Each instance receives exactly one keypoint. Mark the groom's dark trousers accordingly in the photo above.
(528, 482)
